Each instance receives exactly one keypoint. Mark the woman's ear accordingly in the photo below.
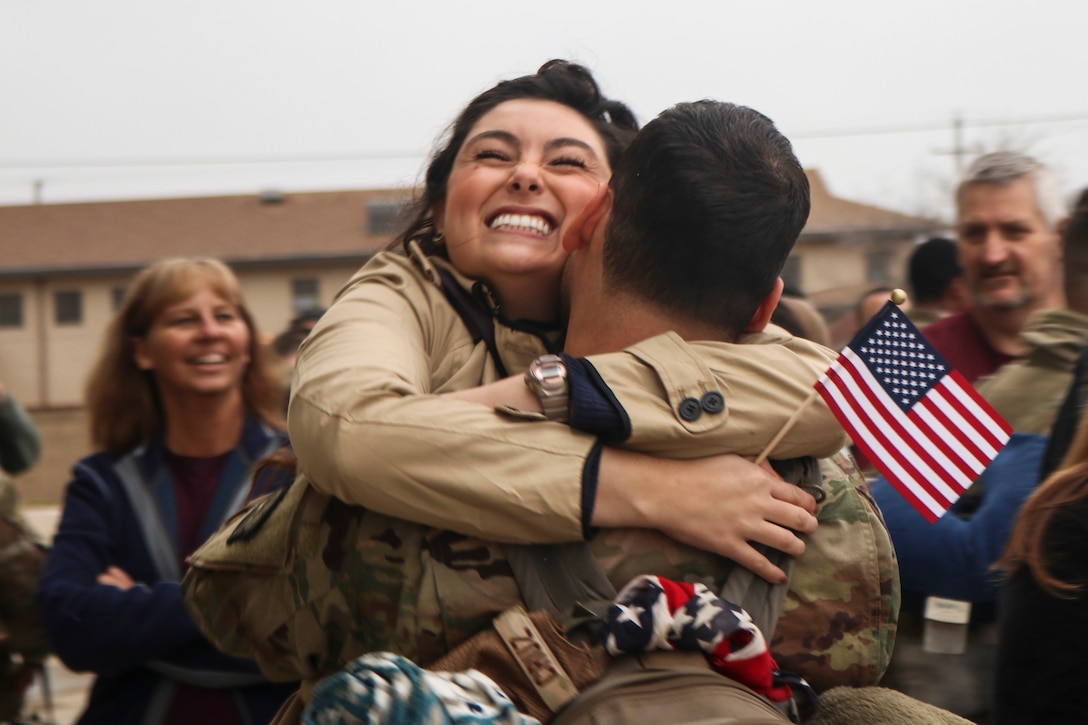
(139, 354)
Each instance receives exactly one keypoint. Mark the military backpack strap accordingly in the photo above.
(1072, 410)
(757, 596)
(477, 319)
(559, 578)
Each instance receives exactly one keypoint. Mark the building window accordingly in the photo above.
(383, 215)
(117, 297)
(305, 295)
(68, 307)
(11, 310)
(879, 266)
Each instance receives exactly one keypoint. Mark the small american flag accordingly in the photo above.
(920, 423)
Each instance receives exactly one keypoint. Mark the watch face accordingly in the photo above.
(547, 377)
(551, 370)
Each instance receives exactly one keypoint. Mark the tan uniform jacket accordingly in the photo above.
(369, 429)
(322, 583)
(1029, 391)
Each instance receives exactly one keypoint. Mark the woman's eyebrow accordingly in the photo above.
(495, 134)
(568, 141)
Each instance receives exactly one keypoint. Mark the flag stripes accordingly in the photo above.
(931, 448)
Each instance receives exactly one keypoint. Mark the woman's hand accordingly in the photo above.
(723, 504)
(116, 577)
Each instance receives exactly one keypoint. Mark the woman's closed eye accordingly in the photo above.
(491, 155)
(575, 161)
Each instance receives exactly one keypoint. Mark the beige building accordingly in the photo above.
(64, 267)
(847, 248)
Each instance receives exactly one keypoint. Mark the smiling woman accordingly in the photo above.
(198, 346)
(181, 404)
(528, 168)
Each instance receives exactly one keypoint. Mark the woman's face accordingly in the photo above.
(526, 170)
(196, 347)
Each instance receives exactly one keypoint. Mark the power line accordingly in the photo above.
(937, 126)
(958, 125)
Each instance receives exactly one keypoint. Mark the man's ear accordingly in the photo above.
(1059, 229)
(1062, 225)
(585, 224)
(766, 308)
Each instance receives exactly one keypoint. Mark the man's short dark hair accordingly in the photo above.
(709, 201)
(934, 264)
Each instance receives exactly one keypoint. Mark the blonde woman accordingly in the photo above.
(181, 404)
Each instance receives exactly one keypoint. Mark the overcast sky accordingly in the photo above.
(118, 99)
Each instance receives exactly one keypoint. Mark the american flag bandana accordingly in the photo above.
(655, 613)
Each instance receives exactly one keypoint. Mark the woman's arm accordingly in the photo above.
(104, 627)
(762, 383)
(722, 504)
(99, 627)
(368, 426)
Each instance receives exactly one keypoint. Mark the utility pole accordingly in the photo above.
(959, 151)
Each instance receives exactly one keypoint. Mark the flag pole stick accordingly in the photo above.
(786, 428)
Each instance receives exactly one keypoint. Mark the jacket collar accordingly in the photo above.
(256, 437)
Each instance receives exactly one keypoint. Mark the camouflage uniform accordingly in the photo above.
(309, 583)
(326, 582)
(23, 640)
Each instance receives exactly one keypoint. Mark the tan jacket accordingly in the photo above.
(1028, 392)
(369, 429)
(333, 581)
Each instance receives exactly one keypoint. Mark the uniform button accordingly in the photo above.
(690, 409)
(713, 402)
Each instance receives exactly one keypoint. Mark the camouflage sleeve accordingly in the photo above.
(20, 442)
(839, 621)
(22, 557)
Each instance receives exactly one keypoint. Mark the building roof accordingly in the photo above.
(241, 230)
(276, 228)
(833, 216)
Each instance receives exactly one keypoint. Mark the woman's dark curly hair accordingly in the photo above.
(557, 80)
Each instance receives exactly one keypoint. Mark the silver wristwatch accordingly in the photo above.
(547, 378)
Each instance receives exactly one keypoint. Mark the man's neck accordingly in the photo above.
(620, 321)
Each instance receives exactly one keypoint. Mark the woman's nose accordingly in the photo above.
(526, 177)
(210, 327)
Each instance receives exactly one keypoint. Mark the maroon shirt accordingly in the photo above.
(195, 482)
(959, 339)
